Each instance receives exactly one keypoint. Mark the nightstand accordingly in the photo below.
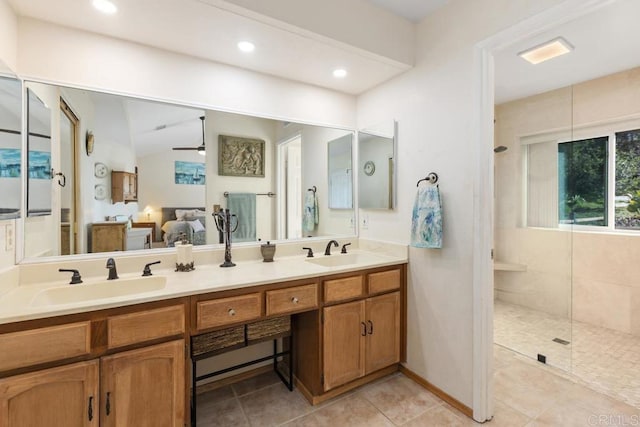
(147, 224)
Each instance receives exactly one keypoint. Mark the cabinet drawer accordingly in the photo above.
(383, 281)
(146, 325)
(217, 341)
(42, 345)
(343, 289)
(292, 299)
(225, 311)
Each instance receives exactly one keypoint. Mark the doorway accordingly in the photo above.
(69, 125)
(290, 185)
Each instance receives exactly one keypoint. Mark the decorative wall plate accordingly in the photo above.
(100, 170)
(100, 192)
(369, 168)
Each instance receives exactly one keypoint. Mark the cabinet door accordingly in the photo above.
(343, 348)
(383, 331)
(57, 397)
(145, 387)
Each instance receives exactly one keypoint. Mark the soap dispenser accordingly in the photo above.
(268, 250)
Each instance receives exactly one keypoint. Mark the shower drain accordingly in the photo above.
(560, 341)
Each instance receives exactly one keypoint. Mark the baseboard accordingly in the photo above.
(438, 392)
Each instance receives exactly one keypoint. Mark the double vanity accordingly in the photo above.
(100, 351)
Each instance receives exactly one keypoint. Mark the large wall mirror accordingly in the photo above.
(141, 174)
(10, 146)
(376, 171)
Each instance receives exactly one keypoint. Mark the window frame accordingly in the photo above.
(598, 130)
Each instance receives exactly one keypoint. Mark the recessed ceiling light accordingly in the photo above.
(340, 73)
(246, 46)
(105, 6)
(546, 51)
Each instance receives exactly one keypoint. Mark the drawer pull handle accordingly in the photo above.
(364, 329)
(370, 327)
(232, 312)
(294, 300)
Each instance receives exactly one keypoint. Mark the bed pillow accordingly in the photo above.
(182, 213)
(196, 225)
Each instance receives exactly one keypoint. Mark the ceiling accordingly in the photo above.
(606, 41)
(413, 10)
(211, 29)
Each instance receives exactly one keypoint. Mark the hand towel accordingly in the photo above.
(310, 213)
(243, 206)
(426, 221)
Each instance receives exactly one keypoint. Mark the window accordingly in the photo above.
(582, 182)
(627, 199)
(592, 182)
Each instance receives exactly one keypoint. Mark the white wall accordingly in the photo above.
(435, 105)
(8, 37)
(78, 58)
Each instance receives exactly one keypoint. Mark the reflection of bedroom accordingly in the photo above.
(155, 146)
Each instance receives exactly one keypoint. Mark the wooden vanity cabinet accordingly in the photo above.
(66, 396)
(357, 336)
(133, 374)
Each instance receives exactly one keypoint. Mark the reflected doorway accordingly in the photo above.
(68, 159)
(290, 185)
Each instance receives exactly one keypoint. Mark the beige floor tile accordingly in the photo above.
(273, 405)
(400, 399)
(439, 416)
(528, 389)
(220, 393)
(255, 383)
(221, 413)
(353, 411)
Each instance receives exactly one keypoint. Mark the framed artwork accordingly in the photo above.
(39, 165)
(10, 163)
(240, 156)
(190, 173)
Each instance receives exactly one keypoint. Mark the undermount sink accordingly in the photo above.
(96, 291)
(340, 260)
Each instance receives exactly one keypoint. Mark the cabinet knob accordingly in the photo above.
(294, 300)
(232, 312)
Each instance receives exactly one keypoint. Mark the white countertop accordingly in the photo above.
(16, 301)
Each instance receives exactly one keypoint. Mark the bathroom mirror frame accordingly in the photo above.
(368, 167)
(9, 212)
(347, 232)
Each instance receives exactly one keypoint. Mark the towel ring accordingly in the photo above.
(432, 178)
(313, 188)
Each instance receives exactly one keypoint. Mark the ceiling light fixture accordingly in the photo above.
(340, 73)
(105, 6)
(246, 46)
(547, 50)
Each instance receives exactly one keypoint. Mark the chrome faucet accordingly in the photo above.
(327, 251)
(111, 265)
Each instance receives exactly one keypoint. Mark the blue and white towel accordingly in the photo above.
(426, 221)
(310, 215)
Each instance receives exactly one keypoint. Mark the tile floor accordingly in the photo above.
(526, 394)
(605, 360)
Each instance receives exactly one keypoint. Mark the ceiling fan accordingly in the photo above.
(200, 148)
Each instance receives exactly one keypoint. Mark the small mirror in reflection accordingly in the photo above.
(375, 171)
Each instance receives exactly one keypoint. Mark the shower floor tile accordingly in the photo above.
(602, 359)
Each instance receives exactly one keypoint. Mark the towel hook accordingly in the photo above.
(432, 178)
(313, 188)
